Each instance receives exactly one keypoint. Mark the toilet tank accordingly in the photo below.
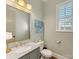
(41, 44)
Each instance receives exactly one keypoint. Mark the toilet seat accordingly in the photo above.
(46, 53)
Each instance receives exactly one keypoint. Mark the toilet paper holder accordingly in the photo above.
(59, 41)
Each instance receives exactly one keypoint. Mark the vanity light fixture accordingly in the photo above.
(21, 2)
(12, 0)
(29, 7)
(24, 5)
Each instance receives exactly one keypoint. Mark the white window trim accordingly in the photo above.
(57, 18)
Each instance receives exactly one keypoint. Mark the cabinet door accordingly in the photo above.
(35, 54)
(25, 57)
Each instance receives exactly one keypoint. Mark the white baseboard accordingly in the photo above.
(59, 56)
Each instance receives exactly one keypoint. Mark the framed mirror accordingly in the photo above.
(17, 22)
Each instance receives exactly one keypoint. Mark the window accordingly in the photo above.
(64, 17)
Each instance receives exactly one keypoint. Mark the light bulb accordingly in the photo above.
(13, 0)
(29, 6)
(21, 2)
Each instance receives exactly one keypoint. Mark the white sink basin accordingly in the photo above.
(23, 49)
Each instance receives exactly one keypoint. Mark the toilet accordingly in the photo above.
(45, 53)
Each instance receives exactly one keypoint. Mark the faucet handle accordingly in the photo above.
(16, 44)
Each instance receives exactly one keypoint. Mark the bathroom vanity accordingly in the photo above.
(35, 54)
(29, 50)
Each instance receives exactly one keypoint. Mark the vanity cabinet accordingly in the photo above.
(25, 57)
(35, 54)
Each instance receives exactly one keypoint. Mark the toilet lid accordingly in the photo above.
(46, 53)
